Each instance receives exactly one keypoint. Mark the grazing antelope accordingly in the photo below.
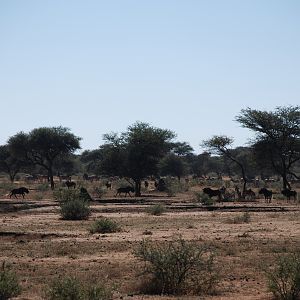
(212, 193)
(70, 184)
(289, 193)
(19, 191)
(126, 190)
(267, 194)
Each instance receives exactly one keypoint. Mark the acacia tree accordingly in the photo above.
(172, 165)
(182, 148)
(9, 164)
(221, 145)
(91, 159)
(135, 153)
(44, 146)
(277, 140)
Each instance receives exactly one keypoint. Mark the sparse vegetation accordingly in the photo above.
(204, 199)
(43, 187)
(98, 292)
(241, 218)
(173, 186)
(156, 209)
(99, 191)
(9, 285)
(177, 267)
(67, 288)
(104, 225)
(284, 279)
(70, 288)
(73, 205)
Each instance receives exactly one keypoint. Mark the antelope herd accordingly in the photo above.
(222, 194)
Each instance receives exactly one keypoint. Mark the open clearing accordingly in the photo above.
(40, 246)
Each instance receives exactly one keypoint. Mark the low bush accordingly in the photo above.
(284, 279)
(67, 288)
(98, 292)
(156, 210)
(70, 288)
(177, 267)
(75, 210)
(9, 285)
(204, 199)
(73, 205)
(105, 225)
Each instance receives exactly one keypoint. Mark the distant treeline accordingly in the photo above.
(142, 151)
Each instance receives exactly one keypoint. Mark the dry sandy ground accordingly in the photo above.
(40, 246)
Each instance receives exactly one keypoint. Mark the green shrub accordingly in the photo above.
(204, 198)
(105, 225)
(73, 205)
(67, 288)
(172, 187)
(98, 292)
(9, 285)
(177, 267)
(64, 195)
(70, 288)
(284, 280)
(75, 210)
(156, 210)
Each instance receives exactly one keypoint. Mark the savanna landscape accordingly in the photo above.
(41, 246)
(143, 217)
(150, 150)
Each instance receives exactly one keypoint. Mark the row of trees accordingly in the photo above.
(144, 150)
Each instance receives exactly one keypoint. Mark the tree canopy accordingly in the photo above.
(222, 145)
(43, 146)
(135, 153)
(277, 141)
(10, 164)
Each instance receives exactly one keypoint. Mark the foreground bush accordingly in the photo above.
(69, 288)
(105, 225)
(65, 289)
(98, 292)
(9, 285)
(74, 205)
(284, 280)
(178, 267)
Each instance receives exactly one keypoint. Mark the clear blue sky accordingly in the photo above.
(189, 66)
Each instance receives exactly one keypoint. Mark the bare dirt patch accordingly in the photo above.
(40, 246)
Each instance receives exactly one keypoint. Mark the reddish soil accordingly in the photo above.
(40, 246)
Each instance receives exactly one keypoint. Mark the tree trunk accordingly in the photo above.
(286, 184)
(50, 176)
(244, 180)
(12, 178)
(137, 187)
